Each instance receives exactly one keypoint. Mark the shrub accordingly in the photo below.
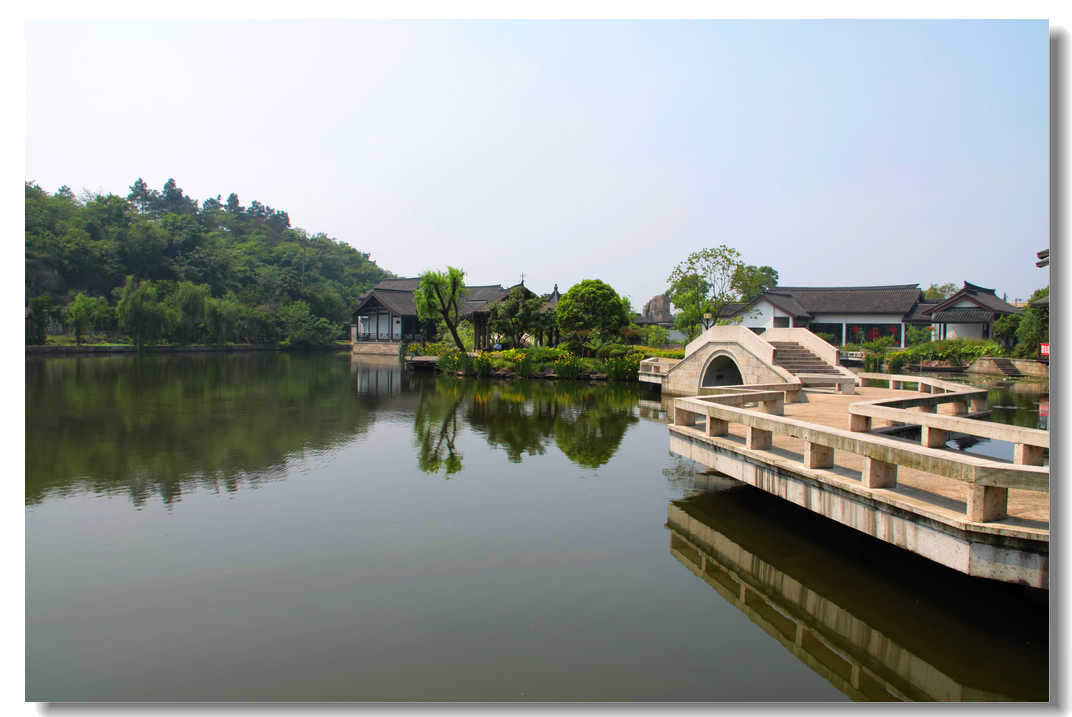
(896, 360)
(568, 365)
(623, 368)
(650, 351)
(450, 360)
(544, 354)
(828, 338)
(482, 365)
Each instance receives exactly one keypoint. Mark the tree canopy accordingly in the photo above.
(517, 314)
(702, 284)
(591, 305)
(439, 297)
(224, 268)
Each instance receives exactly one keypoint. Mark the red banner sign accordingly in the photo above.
(1044, 349)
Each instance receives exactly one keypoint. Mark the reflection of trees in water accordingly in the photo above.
(165, 423)
(586, 422)
(436, 425)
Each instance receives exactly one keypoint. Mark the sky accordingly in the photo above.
(842, 153)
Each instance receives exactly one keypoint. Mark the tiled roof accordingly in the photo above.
(983, 297)
(892, 299)
(922, 311)
(397, 295)
(963, 316)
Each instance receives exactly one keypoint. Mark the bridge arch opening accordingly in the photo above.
(722, 371)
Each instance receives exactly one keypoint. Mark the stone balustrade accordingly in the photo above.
(1029, 443)
(988, 481)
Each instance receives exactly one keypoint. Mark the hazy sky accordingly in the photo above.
(840, 153)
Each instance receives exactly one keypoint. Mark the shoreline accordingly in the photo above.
(130, 349)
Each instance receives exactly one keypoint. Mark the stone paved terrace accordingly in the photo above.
(1028, 511)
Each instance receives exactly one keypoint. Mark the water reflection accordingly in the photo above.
(900, 628)
(585, 421)
(164, 423)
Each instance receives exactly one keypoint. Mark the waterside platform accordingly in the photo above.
(981, 516)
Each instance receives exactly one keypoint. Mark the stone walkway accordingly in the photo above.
(1028, 510)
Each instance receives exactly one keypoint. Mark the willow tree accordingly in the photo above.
(439, 297)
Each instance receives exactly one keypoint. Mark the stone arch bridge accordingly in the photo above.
(735, 355)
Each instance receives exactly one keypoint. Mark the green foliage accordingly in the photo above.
(623, 367)
(141, 314)
(939, 291)
(482, 365)
(427, 349)
(751, 281)
(86, 312)
(895, 361)
(250, 258)
(439, 297)
(656, 335)
(702, 284)
(828, 338)
(955, 351)
(1034, 328)
(879, 345)
(1004, 331)
(304, 331)
(40, 314)
(568, 365)
(516, 315)
(591, 305)
(917, 335)
(650, 351)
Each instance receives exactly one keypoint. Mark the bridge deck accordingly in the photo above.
(1028, 511)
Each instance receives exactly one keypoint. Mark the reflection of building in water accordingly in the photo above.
(875, 623)
(377, 374)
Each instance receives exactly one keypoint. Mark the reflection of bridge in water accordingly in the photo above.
(877, 623)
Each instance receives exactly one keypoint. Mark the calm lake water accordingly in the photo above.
(278, 527)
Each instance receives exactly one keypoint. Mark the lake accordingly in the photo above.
(269, 526)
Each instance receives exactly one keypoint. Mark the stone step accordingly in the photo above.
(796, 359)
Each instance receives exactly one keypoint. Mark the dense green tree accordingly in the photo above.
(189, 302)
(141, 313)
(591, 305)
(656, 335)
(1005, 330)
(517, 314)
(439, 297)
(751, 281)
(86, 312)
(303, 330)
(252, 255)
(40, 314)
(936, 292)
(1034, 328)
(703, 284)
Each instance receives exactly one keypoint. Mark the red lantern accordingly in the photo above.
(893, 329)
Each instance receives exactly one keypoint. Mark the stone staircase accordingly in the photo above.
(796, 359)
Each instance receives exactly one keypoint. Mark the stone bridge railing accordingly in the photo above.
(987, 481)
(1029, 442)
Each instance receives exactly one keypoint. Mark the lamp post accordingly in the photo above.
(707, 320)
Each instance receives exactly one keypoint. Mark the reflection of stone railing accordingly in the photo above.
(827, 632)
(1029, 442)
(988, 481)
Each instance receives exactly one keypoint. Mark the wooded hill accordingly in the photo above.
(246, 263)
